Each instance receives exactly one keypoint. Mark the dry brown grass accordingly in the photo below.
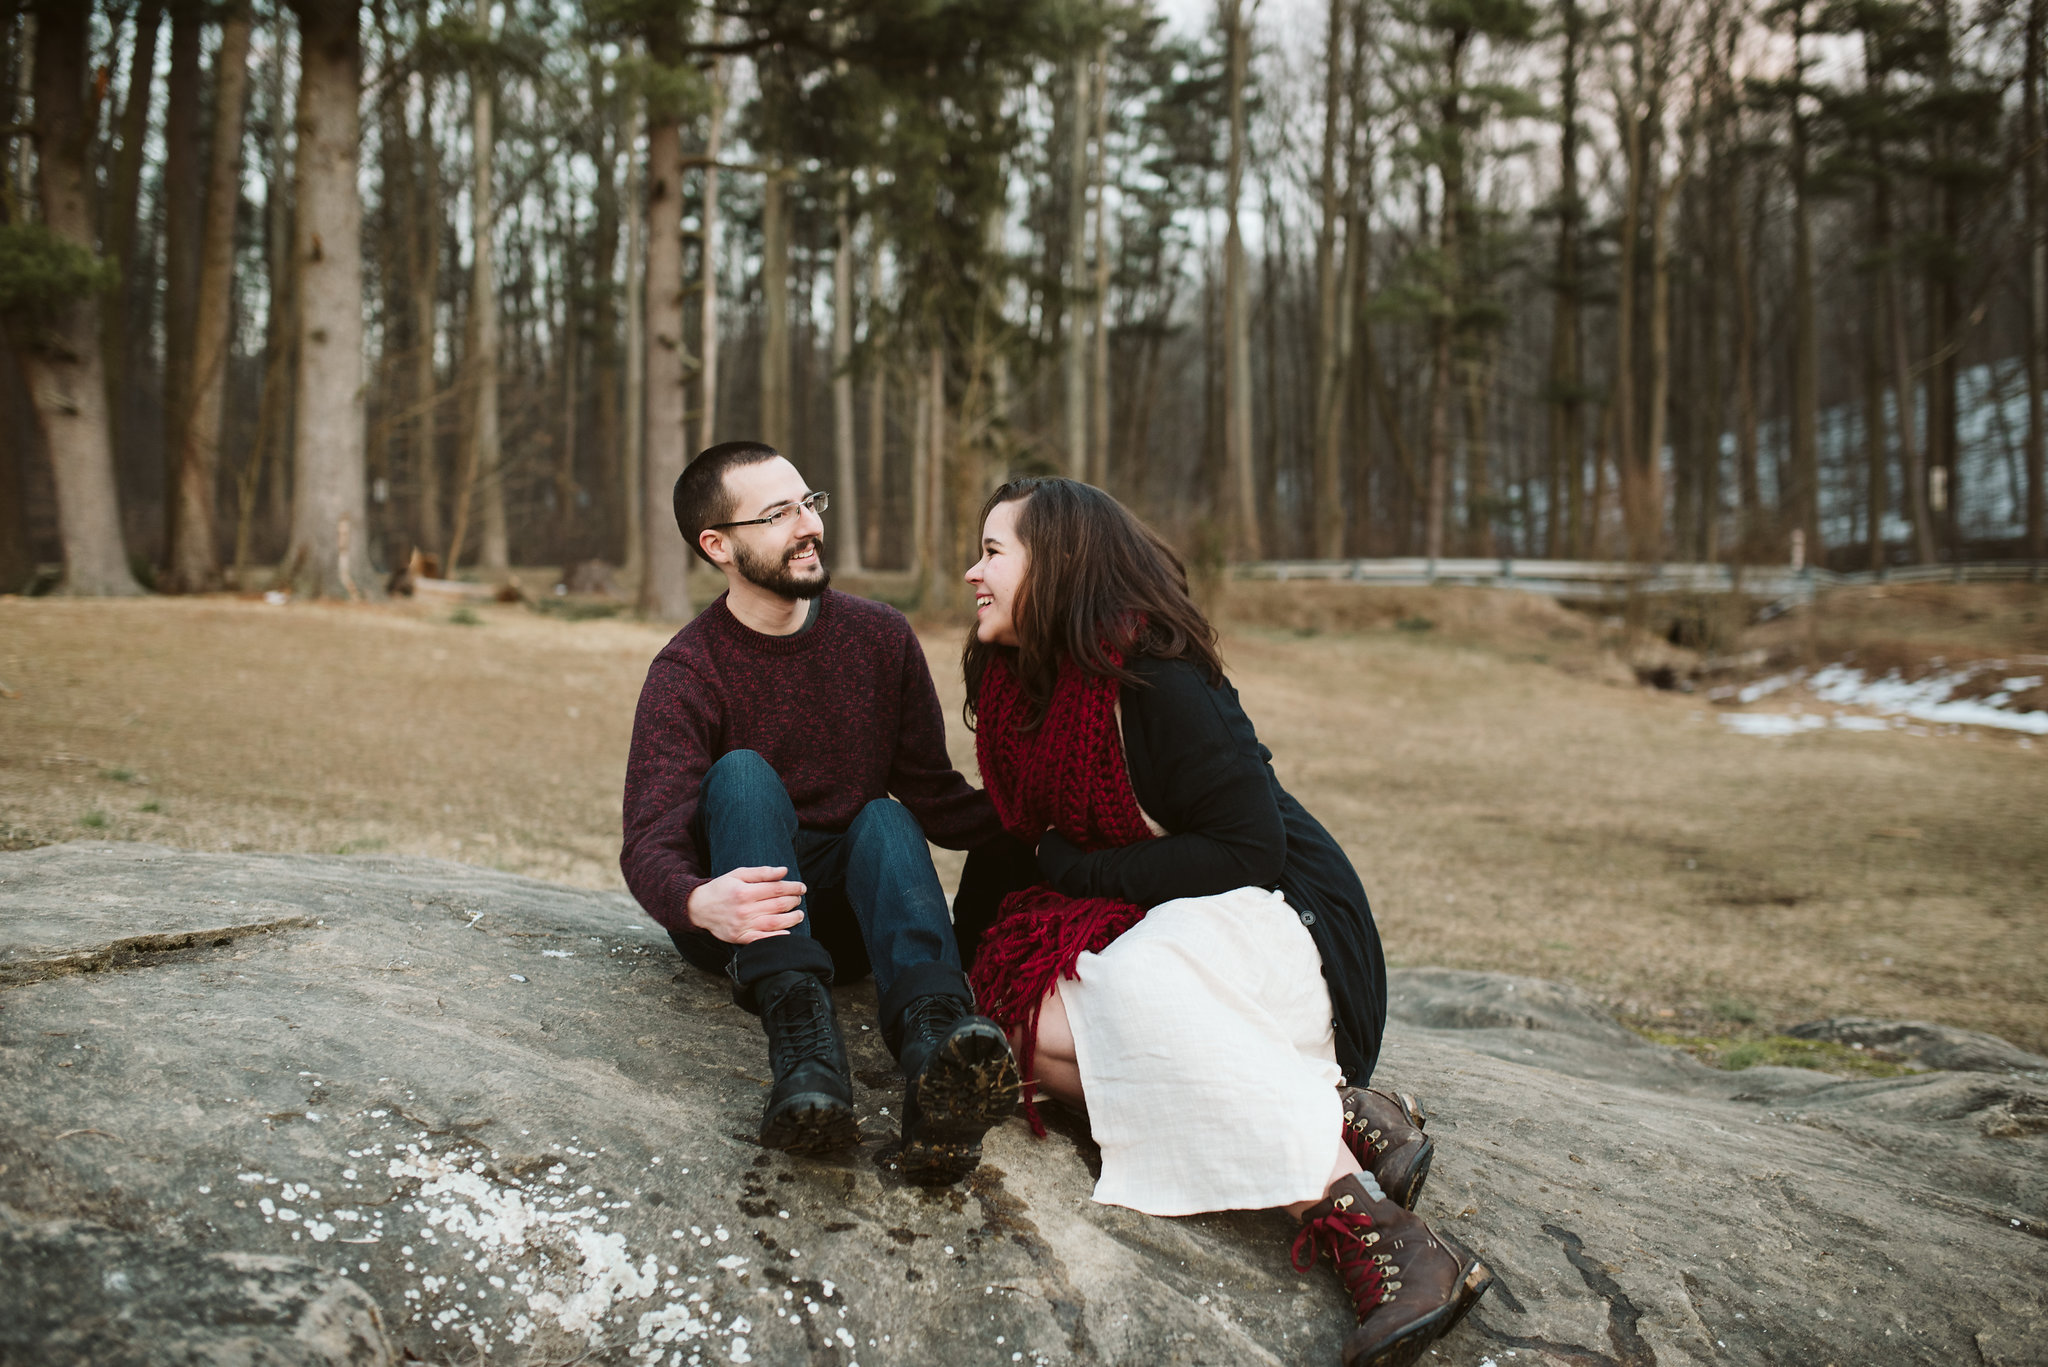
(1510, 802)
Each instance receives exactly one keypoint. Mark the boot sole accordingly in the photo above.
(811, 1123)
(1405, 1185)
(1474, 1278)
(971, 1084)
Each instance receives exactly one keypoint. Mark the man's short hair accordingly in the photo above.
(701, 498)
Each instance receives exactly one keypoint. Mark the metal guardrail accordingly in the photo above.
(1612, 580)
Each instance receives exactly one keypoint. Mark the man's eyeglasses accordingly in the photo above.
(816, 502)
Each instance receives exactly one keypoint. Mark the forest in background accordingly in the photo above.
(295, 287)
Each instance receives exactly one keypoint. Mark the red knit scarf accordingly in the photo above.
(1067, 775)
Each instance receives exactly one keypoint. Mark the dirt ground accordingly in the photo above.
(1511, 797)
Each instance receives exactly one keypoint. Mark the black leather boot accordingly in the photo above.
(959, 1078)
(811, 1108)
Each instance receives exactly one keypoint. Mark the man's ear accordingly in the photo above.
(716, 546)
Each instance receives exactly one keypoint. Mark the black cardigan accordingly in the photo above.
(1198, 769)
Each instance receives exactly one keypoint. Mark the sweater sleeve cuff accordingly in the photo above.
(674, 914)
(1057, 857)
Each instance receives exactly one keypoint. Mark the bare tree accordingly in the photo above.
(59, 351)
(1450, 155)
(1333, 350)
(2034, 185)
(1802, 500)
(423, 272)
(482, 453)
(1242, 498)
(1074, 348)
(775, 396)
(632, 466)
(184, 182)
(329, 553)
(124, 195)
(1567, 399)
(708, 236)
(192, 563)
(1098, 301)
(665, 586)
(846, 491)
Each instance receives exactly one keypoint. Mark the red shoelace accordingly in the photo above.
(1342, 1235)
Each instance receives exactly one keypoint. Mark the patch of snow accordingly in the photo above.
(1763, 688)
(1771, 723)
(1895, 699)
(1927, 699)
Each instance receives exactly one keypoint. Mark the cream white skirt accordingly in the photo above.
(1208, 1058)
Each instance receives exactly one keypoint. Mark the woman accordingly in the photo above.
(1199, 969)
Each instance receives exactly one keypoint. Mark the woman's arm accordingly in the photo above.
(1199, 769)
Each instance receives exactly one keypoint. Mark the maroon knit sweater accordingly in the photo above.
(844, 712)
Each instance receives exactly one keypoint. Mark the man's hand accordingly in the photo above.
(746, 905)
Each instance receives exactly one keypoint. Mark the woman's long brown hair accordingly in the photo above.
(1096, 581)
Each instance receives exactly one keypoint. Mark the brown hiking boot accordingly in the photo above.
(1408, 1284)
(1384, 1133)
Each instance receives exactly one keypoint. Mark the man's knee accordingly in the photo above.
(740, 772)
(887, 824)
(742, 782)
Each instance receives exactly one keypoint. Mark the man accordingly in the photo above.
(759, 830)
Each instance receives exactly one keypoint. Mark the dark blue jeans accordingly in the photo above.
(876, 874)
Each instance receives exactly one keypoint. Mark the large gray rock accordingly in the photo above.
(1928, 1044)
(80, 1292)
(506, 1113)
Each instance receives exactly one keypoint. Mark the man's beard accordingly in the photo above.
(775, 577)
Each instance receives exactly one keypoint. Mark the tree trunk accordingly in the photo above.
(1905, 407)
(1622, 409)
(17, 555)
(921, 481)
(665, 588)
(937, 461)
(1332, 341)
(572, 399)
(123, 197)
(1478, 454)
(1243, 500)
(1355, 316)
(845, 473)
(282, 261)
(423, 260)
(2035, 183)
(878, 419)
(1945, 314)
(1876, 493)
(604, 322)
(1567, 454)
(329, 554)
(193, 561)
(487, 455)
(61, 361)
(707, 286)
(272, 406)
(481, 449)
(1742, 281)
(184, 177)
(1098, 305)
(1443, 321)
(1650, 485)
(632, 463)
(1803, 501)
(775, 423)
(1074, 339)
